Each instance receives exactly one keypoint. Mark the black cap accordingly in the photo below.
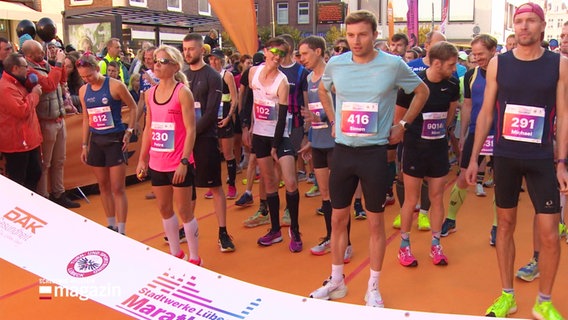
(218, 53)
(257, 58)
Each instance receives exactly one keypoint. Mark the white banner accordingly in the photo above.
(130, 277)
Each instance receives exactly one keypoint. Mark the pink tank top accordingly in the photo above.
(167, 131)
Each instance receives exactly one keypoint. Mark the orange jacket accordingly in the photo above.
(19, 125)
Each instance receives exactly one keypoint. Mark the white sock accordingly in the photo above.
(122, 227)
(423, 211)
(171, 228)
(373, 280)
(336, 273)
(192, 234)
(249, 192)
(111, 221)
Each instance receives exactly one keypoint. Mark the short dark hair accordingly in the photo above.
(4, 40)
(400, 36)
(362, 16)
(288, 38)
(443, 51)
(11, 61)
(314, 42)
(193, 37)
(277, 42)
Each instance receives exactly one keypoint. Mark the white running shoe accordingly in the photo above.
(330, 290)
(373, 299)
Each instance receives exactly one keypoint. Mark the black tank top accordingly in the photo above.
(527, 84)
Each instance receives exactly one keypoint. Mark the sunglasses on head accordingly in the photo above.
(278, 52)
(163, 61)
(340, 49)
(83, 63)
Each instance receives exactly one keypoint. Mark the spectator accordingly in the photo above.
(20, 137)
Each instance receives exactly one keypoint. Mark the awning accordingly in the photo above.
(142, 16)
(18, 11)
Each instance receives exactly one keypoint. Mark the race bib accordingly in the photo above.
(197, 107)
(523, 123)
(265, 110)
(100, 118)
(359, 118)
(434, 125)
(487, 148)
(317, 109)
(163, 136)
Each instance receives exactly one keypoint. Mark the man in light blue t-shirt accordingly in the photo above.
(365, 82)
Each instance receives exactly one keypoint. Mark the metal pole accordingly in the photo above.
(315, 17)
(273, 22)
(432, 16)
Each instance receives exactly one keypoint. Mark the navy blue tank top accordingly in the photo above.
(105, 112)
(526, 106)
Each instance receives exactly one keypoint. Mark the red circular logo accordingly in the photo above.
(88, 263)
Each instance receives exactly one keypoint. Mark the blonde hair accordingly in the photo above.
(135, 78)
(176, 56)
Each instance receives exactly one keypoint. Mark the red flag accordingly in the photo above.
(412, 22)
(445, 8)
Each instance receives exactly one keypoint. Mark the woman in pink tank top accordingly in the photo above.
(167, 145)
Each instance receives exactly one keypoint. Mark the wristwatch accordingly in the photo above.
(405, 125)
(184, 161)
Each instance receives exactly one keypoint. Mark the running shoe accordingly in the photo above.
(493, 236)
(198, 262)
(285, 222)
(313, 192)
(449, 226)
(270, 238)
(389, 200)
(150, 195)
(562, 232)
(232, 192)
(245, 200)
(330, 290)
(502, 306)
(529, 272)
(319, 211)
(311, 178)
(281, 184)
(373, 299)
(259, 218)
(479, 190)
(406, 258)
(209, 194)
(302, 176)
(296, 244)
(181, 255)
(438, 257)
(489, 183)
(322, 248)
(348, 254)
(113, 228)
(396, 222)
(423, 222)
(360, 213)
(226, 242)
(545, 311)
(256, 180)
(182, 238)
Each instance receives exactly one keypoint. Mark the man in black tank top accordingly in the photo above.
(525, 109)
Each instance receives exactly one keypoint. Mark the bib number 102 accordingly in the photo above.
(358, 119)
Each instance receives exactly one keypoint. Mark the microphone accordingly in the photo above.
(31, 81)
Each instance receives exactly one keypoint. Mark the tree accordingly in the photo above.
(422, 31)
(265, 33)
(333, 34)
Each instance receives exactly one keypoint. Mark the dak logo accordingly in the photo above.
(26, 220)
(88, 263)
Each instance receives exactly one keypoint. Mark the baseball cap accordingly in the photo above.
(462, 55)
(54, 43)
(257, 58)
(530, 7)
(218, 53)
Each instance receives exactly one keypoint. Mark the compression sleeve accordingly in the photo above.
(280, 125)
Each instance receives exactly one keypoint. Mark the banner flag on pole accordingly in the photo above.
(412, 22)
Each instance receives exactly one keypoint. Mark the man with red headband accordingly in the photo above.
(525, 110)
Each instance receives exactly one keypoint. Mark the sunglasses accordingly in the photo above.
(163, 61)
(339, 49)
(278, 52)
(83, 63)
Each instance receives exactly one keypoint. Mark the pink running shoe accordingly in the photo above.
(209, 194)
(406, 258)
(232, 192)
(438, 257)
